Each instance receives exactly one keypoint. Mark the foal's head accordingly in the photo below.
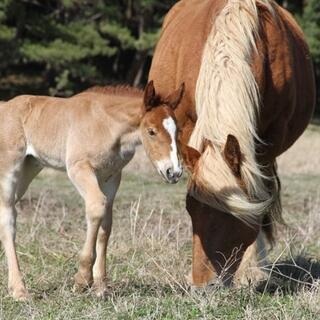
(159, 132)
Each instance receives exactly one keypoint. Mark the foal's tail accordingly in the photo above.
(274, 213)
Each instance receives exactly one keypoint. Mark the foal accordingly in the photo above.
(91, 136)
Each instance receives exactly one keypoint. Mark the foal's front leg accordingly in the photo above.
(110, 189)
(83, 177)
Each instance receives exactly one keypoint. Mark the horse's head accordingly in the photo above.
(231, 153)
(159, 131)
(218, 180)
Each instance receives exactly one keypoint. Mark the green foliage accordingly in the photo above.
(311, 26)
(63, 46)
(60, 47)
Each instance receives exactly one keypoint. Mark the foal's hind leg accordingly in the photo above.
(29, 170)
(110, 189)
(83, 177)
(7, 233)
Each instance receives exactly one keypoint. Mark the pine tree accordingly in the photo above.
(137, 30)
(62, 46)
(311, 26)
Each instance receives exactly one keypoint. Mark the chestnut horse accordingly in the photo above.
(91, 136)
(250, 94)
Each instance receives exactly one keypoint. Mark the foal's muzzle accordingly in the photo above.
(173, 176)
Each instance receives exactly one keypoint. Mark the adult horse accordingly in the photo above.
(249, 77)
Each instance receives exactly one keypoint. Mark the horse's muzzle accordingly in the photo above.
(173, 176)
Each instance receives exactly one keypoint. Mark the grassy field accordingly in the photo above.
(150, 251)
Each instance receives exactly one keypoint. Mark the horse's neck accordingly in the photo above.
(127, 109)
(130, 140)
(132, 116)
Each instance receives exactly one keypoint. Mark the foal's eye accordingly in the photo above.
(151, 132)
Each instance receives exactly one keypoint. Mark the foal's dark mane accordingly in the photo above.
(121, 90)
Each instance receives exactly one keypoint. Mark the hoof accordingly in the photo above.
(100, 288)
(20, 294)
(82, 282)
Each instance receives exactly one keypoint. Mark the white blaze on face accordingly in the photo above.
(171, 127)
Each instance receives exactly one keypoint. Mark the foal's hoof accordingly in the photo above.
(82, 282)
(20, 294)
(100, 288)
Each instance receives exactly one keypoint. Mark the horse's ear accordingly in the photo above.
(232, 154)
(205, 144)
(190, 156)
(150, 98)
(175, 97)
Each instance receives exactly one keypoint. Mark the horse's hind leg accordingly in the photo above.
(110, 189)
(7, 233)
(29, 170)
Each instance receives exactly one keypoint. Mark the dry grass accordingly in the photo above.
(150, 251)
(304, 156)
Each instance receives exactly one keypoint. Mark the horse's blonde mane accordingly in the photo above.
(227, 102)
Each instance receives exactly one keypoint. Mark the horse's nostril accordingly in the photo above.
(169, 172)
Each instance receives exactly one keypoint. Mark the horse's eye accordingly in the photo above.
(151, 132)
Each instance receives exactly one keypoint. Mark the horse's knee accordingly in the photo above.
(104, 233)
(7, 222)
(96, 206)
(87, 259)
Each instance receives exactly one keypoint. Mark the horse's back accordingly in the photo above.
(47, 111)
(47, 124)
(282, 68)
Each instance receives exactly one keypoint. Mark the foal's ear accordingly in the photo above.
(190, 156)
(150, 98)
(232, 154)
(175, 97)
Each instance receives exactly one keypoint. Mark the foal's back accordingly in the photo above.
(53, 128)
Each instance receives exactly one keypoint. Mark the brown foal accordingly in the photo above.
(91, 136)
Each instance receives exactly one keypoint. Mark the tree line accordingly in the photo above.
(60, 47)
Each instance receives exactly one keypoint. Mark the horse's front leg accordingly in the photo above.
(83, 177)
(219, 242)
(110, 189)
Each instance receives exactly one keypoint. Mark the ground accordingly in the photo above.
(150, 250)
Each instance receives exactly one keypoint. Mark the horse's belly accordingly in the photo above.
(50, 160)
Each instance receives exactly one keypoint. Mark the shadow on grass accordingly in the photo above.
(316, 119)
(290, 276)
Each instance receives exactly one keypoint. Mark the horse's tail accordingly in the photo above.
(228, 102)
